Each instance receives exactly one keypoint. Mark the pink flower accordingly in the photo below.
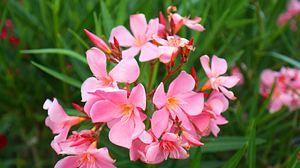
(139, 145)
(237, 72)
(77, 143)
(216, 81)
(168, 146)
(93, 158)
(180, 101)
(210, 118)
(58, 120)
(293, 10)
(140, 41)
(170, 47)
(126, 71)
(97, 41)
(122, 114)
(179, 21)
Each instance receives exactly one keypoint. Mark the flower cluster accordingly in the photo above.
(286, 88)
(293, 10)
(7, 33)
(180, 113)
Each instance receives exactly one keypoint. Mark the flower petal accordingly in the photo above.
(121, 134)
(69, 161)
(159, 97)
(123, 36)
(138, 96)
(194, 103)
(183, 83)
(218, 66)
(229, 81)
(127, 71)
(97, 62)
(205, 64)
(130, 52)
(159, 122)
(103, 111)
(138, 25)
(149, 52)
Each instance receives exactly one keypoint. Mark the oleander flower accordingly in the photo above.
(216, 81)
(140, 41)
(180, 101)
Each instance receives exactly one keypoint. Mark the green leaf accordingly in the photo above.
(251, 144)
(236, 158)
(61, 51)
(226, 143)
(106, 18)
(286, 59)
(58, 75)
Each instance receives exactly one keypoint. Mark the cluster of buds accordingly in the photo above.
(178, 118)
(7, 33)
(291, 14)
(286, 88)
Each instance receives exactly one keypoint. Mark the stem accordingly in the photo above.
(152, 68)
(172, 72)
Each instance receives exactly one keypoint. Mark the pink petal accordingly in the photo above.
(183, 83)
(218, 102)
(153, 154)
(145, 137)
(149, 52)
(214, 129)
(179, 153)
(170, 137)
(194, 103)
(159, 122)
(121, 134)
(138, 96)
(159, 97)
(91, 84)
(218, 66)
(97, 62)
(102, 158)
(139, 127)
(165, 53)
(227, 93)
(138, 25)
(194, 25)
(152, 28)
(56, 112)
(183, 118)
(88, 105)
(229, 81)
(130, 52)
(191, 140)
(127, 71)
(115, 95)
(69, 161)
(59, 138)
(123, 36)
(103, 111)
(201, 121)
(205, 64)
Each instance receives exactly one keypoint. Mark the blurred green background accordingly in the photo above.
(244, 32)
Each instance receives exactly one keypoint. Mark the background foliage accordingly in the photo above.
(52, 40)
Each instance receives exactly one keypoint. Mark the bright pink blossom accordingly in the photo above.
(140, 41)
(122, 114)
(180, 101)
(211, 117)
(216, 81)
(293, 10)
(169, 146)
(126, 71)
(179, 21)
(237, 72)
(77, 143)
(93, 158)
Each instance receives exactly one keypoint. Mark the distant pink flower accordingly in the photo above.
(97, 41)
(179, 21)
(168, 146)
(180, 101)
(122, 114)
(237, 72)
(210, 118)
(58, 120)
(216, 81)
(126, 71)
(77, 143)
(293, 10)
(140, 41)
(93, 158)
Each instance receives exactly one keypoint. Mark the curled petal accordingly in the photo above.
(205, 64)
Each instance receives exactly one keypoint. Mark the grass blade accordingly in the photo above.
(58, 75)
(286, 59)
(61, 51)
